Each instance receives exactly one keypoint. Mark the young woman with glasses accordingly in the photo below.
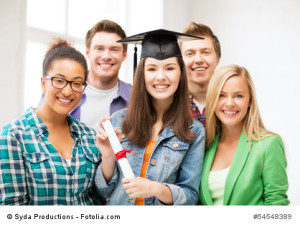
(48, 157)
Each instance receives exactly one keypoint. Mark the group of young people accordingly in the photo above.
(195, 134)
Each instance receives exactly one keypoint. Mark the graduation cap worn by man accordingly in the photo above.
(159, 44)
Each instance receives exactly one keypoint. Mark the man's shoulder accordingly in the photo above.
(124, 90)
(124, 85)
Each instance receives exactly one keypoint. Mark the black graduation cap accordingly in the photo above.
(159, 44)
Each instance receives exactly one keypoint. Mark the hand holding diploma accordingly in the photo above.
(108, 141)
(109, 132)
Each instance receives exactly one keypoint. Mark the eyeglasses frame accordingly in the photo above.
(68, 82)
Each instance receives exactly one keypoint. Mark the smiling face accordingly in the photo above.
(62, 101)
(161, 79)
(105, 56)
(200, 60)
(233, 102)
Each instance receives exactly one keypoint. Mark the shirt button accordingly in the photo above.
(153, 162)
(175, 145)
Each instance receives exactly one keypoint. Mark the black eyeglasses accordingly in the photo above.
(60, 83)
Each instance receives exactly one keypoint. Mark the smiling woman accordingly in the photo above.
(167, 144)
(161, 79)
(234, 101)
(63, 72)
(48, 157)
(244, 163)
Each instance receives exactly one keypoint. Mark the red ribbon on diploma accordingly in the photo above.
(122, 154)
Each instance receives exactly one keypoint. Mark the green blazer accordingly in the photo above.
(257, 177)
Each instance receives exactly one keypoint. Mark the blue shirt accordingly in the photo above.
(32, 172)
(173, 162)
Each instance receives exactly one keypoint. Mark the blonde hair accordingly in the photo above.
(253, 126)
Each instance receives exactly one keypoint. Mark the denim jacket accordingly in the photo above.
(173, 162)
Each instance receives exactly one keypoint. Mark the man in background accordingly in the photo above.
(201, 58)
(105, 93)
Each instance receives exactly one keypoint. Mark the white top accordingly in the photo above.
(200, 106)
(216, 185)
(97, 105)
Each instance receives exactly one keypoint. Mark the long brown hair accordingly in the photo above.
(141, 115)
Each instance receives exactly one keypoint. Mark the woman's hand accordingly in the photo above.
(138, 187)
(108, 155)
(103, 141)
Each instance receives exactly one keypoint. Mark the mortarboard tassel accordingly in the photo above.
(134, 59)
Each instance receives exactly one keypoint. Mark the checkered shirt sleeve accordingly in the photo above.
(12, 172)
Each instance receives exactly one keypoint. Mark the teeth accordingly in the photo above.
(199, 69)
(64, 100)
(230, 112)
(105, 65)
(161, 86)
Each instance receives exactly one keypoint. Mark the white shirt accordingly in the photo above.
(97, 105)
(200, 106)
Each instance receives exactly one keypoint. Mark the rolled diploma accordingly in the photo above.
(116, 146)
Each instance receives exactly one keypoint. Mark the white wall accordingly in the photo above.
(263, 36)
(12, 52)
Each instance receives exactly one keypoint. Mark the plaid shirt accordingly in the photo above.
(32, 172)
(195, 113)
